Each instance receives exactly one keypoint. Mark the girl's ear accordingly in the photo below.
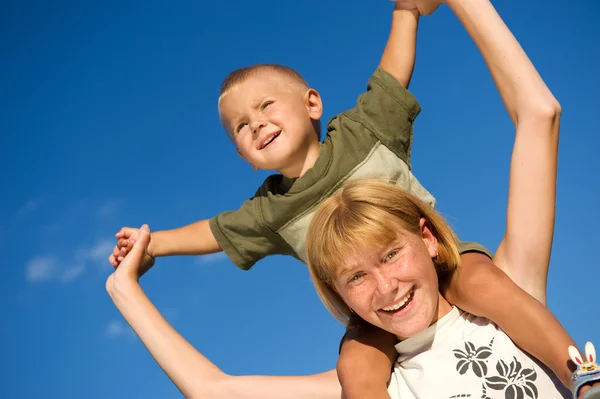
(428, 238)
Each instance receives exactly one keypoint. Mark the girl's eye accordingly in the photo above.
(355, 278)
(266, 104)
(390, 256)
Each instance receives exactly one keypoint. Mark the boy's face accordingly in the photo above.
(270, 119)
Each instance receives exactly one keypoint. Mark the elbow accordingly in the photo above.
(550, 110)
(547, 111)
(215, 388)
(541, 120)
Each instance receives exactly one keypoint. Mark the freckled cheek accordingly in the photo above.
(360, 299)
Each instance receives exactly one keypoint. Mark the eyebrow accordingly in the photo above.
(348, 269)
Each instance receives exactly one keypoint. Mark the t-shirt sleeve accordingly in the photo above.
(466, 246)
(244, 237)
(388, 110)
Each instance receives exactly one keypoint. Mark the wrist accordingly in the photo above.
(122, 288)
(404, 8)
(151, 249)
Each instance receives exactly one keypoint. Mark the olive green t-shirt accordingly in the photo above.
(371, 140)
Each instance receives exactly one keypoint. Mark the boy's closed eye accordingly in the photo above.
(265, 105)
(239, 127)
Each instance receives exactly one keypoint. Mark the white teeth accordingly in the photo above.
(266, 143)
(399, 304)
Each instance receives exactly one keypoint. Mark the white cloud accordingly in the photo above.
(100, 251)
(71, 273)
(40, 268)
(116, 328)
(211, 258)
(48, 268)
(27, 208)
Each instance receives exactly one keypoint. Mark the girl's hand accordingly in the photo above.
(134, 265)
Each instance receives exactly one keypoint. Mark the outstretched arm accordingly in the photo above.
(190, 371)
(398, 57)
(524, 253)
(193, 239)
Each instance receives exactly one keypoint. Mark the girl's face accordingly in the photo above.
(395, 287)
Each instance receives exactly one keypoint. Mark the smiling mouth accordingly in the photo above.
(269, 140)
(404, 302)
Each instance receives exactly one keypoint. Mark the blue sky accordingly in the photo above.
(108, 118)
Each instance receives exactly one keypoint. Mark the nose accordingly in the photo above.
(257, 124)
(385, 283)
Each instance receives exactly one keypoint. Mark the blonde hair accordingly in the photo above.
(241, 75)
(366, 214)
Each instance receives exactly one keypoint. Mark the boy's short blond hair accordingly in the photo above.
(368, 214)
(240, 75)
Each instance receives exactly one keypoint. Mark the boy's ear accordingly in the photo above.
(314, 105)
(240, 154)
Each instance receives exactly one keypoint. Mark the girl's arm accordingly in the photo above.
(524, 253)
(190, 371)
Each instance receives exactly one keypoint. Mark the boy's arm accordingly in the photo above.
(193, 239)
(398, 57)
(482, 289)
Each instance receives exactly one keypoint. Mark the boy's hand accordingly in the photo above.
(425, 7)
(126, 238)
(134, 264)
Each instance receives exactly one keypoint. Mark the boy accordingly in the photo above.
(272, 116)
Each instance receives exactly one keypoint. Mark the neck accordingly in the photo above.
(443, 308)
(300, 166)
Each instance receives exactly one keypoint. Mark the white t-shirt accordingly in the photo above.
(464, 356)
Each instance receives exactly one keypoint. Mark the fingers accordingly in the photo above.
(113, 259)
(126, 240)
(126, 232)
(139, 246)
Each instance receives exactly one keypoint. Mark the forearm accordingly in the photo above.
(193, 239)
(485, 290)
(398, 58)
(521, 87)
(191, 372)
(317, 386)
(194, 374)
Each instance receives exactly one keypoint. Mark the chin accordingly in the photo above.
(419, 321)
